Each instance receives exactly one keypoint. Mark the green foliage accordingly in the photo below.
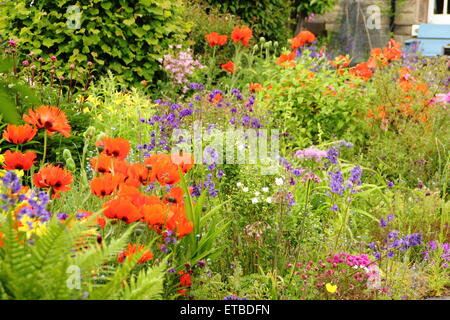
(13, 92)
(61, 263)
(313, 107)
(208, 19)
(123, 36)
(267, 18)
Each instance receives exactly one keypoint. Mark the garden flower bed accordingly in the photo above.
(257, 170)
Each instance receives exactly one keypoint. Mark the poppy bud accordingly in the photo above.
(70, 164)
(67, 154)
(90, 132)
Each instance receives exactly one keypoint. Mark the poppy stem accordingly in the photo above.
(45, 148)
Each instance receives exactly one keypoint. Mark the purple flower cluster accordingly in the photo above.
(393, 244)
(336, 182)
(445, 256)
(37, 208)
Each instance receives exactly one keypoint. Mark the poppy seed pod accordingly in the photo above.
(90, 132)
(70, 164)
(67, 154)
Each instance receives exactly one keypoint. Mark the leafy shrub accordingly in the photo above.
(267, 18)
(124, 36)
(314, 106)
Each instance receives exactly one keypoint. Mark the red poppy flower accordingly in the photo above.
(340, 62)
(175, 195)
(102, 164)
(185, 280)
(20, 161)
(215, 39)
(132, 250)
(362, 70)
(122, 209)
(52, 119)
(55, 178)
(393, 50)
(302, 38)
(19, 134)
(105, 185)
(229, 66)
(140, 173)
(117, 147)
(156, 214)
(255, 87)
(242, 34)
(180, 222)
(286, 60)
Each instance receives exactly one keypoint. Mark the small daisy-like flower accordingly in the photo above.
(239, 184)
(245, 189)
(255, 200)
(279, 181)
(269, 199)
(265, 189)
(257, 193)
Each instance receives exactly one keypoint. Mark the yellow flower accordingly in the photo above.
(19, 173)
(2, 158)
(331, 288)
(30, 226)
(86, 110)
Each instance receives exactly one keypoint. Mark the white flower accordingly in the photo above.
(245, 189)
(239, 184)
(255, 200)
(279, 181)
(269, 199)
(257, 193)
(265, 189)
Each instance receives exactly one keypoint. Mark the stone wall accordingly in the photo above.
(409, 13)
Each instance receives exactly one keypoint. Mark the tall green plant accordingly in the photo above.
(124, 36)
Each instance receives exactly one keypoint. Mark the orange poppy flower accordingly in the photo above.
(286, 60)
(167, 173)
(180, 222)
(102, 164)
(53, 177)
(302, 38)
(105, 185)
(122, 209)
(393, 50)
(1, 241)
(255, 87)
(156, 214)
(175, 196)
(242, 34)
(215, 39)
(362, 70)
(229, 66)
(184, 160)
(20, 161)
(340, 62)
(52, 119)
(19, 134)
(117, 147)
(132, 250)
(139, 172)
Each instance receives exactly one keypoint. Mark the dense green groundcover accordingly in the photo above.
(116, 188)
